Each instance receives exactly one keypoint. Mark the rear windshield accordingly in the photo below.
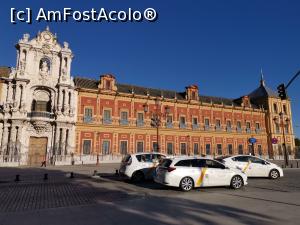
(166, 162)
(126, 158)
(187, 163)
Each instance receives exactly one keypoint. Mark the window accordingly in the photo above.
(140, 146)
(257, 126)
(230, 149)
(275, 108)
(240, 149)
(206, 122)
(199, 163)
(140, 117)
(108, 85)
(280, 150)
(87, 144)
(238, 125)
(105, 147)
(193, 95)
(284, 109)
(218, 123)
(214, 164)
(241, 158)
(123, 145)
(219, 149)
(277, 128)
(196, 149)
(248, 125)
(286, 126)
(207, 149)
(88, 114)
(106, 114)
(170, 148)
(256, 160)
(195, 120)
(154, 146)
(124, 116)
(249, 149)
(259, 149)
(186, 163)
(169, 119)
(183, 148)
(144, 158)
(182, 120)
(228, 124)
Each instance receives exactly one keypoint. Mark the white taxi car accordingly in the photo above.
(140, 166)
(188, 172)
(253, 166)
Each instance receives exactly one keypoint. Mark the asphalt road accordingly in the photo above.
(110, 200)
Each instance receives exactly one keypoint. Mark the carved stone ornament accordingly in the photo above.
(40, 126)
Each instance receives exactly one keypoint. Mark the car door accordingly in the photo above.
(217, 174)
(243, 163)
(186, 168)
(258, 167)
(199, 172)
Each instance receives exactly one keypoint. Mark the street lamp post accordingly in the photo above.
(286, 156)
(156, 120)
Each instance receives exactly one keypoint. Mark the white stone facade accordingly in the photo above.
(38, 104)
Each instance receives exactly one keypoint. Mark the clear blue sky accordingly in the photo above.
(220, 45)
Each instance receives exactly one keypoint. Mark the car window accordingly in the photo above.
(144, 158)
(187, 163)
(256, 160)
(158, 156)
(166, 163)
(126, 158)
(198, 163)
(241, 158)
(214, 164)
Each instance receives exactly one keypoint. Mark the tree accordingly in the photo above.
(297, 142)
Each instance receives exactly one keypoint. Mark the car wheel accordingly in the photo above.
(137, 176)
(274, 174)
(236, 182)
(186, 184)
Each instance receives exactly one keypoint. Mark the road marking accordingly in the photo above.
(201, 178)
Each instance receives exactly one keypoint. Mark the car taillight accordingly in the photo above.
(170, 169)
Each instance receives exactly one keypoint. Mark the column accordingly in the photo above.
(63, 141)
(23, 96)
(56, 140)
(9, 92)
(60, 98)
(5, 139)
(69, 141)
(17, 97)
(1, 134)
(12, 141)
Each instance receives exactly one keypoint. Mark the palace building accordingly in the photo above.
(48, 115)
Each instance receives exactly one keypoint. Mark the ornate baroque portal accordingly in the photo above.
(37, 120)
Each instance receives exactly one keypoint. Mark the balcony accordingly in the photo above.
(40, 114)
(207, 127)
(195, 126)
(140, 123)
(182, 126)
(124, 122)
(229, 129)
(258, 130)
(169, 125)
(239, 129)
(107, 121)
(248, 130)
(87, 119)
(218, 128)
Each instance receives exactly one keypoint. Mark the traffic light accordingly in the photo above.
(282, 92)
